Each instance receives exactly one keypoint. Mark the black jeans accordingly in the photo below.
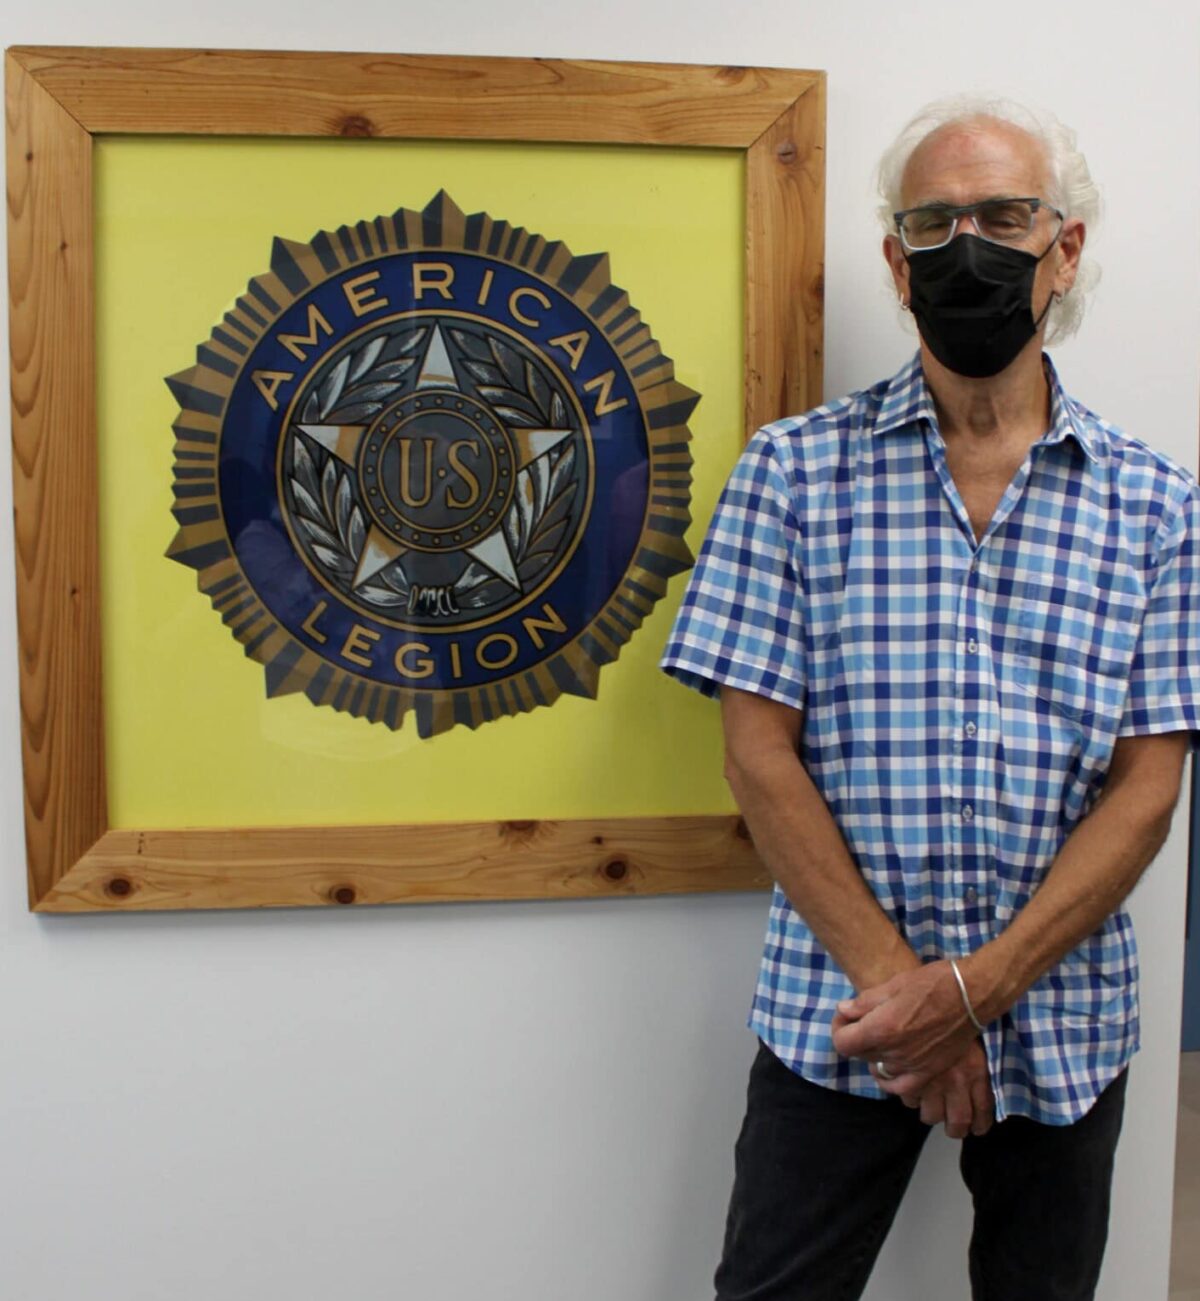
(820, 1175)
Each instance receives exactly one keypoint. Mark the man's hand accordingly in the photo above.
(961, 1097)
(914, 1023)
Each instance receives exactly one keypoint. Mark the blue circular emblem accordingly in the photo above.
(432, 463)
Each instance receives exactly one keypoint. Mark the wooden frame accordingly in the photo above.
(57, 100)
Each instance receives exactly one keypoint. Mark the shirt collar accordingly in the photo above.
(907, 401)
(1066, 418)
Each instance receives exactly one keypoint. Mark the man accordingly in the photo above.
(954, 623)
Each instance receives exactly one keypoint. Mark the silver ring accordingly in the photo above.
(882, 1071)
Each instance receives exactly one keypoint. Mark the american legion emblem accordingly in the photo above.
(432, 462)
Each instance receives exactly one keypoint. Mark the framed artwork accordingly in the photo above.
(363, 603)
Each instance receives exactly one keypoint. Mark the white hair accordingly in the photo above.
(1071, 186)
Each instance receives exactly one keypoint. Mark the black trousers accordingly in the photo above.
(820, 1174)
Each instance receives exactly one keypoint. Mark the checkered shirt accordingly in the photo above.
(961, 701)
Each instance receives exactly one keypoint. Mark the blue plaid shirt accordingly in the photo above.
(961, 700)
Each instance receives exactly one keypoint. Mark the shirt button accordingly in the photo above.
(970, 729)
(972, 646)
(970, 894)
(967, 813)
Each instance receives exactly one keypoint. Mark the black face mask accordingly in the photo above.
(973, 303)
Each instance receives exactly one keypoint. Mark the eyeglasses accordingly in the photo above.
(1002, 221)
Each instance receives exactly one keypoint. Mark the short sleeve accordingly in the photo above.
(741, 622)
(1164, 682)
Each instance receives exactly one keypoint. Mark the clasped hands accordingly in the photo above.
(916, 1025)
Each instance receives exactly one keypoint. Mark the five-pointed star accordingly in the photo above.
(380, 548)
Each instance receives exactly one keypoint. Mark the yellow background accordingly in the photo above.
(181, 225)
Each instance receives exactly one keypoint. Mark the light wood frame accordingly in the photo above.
(57, 100)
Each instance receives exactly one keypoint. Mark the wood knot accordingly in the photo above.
(343, 894)
(786, 152)
(120, 887)
(616, 869)
(355, 125)
(520, 831)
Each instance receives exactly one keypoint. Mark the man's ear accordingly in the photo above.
(893, 254)
(1069, 248)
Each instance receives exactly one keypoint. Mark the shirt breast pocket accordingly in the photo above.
(1074, 647)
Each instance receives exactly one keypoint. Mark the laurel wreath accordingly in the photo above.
(364, 381)
(361, 384)
(540, 512)
(329, 514)
(326, 504)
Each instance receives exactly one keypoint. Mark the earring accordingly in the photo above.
(903, 305)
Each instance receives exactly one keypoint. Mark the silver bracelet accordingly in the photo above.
(962, 989)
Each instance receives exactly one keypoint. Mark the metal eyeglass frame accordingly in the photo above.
(970, 210)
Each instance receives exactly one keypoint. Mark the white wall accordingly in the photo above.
(539, 1101)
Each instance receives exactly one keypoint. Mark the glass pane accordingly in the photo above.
(193, 738)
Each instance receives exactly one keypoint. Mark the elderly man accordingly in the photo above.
(954, 623)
